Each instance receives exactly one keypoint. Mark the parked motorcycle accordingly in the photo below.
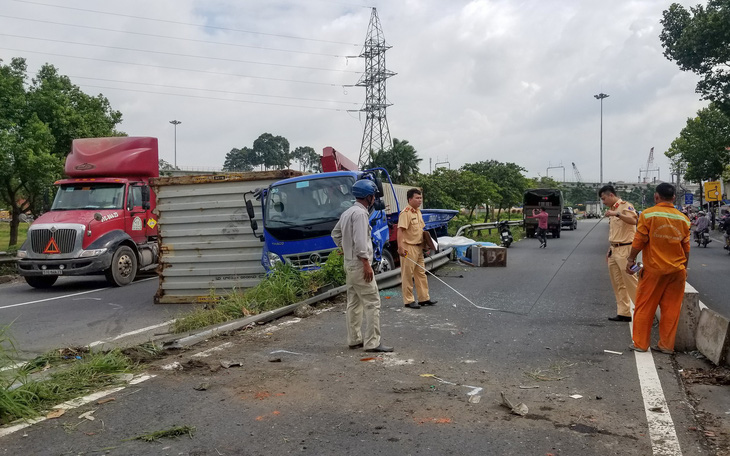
(505, 234)
(703, 238)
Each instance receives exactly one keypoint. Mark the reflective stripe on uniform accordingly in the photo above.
(667, 215)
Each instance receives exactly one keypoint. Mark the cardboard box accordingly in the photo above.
(488, 256)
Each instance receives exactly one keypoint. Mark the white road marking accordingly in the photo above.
(67, 296)
(20, 424)
(664, 441)
(130, 333)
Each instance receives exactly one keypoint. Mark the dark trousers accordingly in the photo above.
(541, 234)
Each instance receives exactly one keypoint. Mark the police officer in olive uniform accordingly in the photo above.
(622, 220)
(410, 248)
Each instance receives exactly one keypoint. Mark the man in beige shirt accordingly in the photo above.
(410, 248)
(352, 234)
(622, 220)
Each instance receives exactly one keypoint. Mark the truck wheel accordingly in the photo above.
(388, 263)
(41, 281)
(124, 267)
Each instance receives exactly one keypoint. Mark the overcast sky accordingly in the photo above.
(476, 80)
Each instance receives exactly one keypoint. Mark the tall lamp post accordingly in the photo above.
(175, 123)
(600, 97)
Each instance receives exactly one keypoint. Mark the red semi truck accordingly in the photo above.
(101, 221)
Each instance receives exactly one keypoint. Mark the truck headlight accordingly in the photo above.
(91, 253)
(273, 259)
(21, 254)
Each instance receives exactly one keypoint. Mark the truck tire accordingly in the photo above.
(123, 269)
(389, 262)
(530, 233)
(40, 281)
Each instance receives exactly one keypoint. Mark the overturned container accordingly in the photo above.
(205, 237)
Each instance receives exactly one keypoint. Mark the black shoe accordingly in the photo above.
(427, 303)
(413, 305)
(620, 318)
(380, 349)
(352, 347)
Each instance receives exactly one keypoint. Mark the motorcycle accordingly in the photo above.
(505, 235)
(702, 238)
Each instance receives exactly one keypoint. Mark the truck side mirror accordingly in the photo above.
(146, 197)
(249, 210)
(379, 193)
(379, 205)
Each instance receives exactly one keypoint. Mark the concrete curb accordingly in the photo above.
(701, 328)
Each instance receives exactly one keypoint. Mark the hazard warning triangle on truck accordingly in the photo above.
(52, 247)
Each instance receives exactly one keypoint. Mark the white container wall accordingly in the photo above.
(206, 241)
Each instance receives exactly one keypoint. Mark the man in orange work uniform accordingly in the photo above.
(622, 220)
(663, 237)
(410, 248)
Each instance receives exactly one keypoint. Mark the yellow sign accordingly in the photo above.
(712, 191)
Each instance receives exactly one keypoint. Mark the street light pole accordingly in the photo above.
(600, 97)
(175, 123)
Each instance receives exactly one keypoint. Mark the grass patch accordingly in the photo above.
(5, 236)
(23, 396)
(173, 432)
(283, 286)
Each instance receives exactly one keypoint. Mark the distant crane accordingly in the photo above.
(649, 167)
(576, 173)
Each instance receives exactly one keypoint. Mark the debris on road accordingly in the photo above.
(519, 409)
(613, 352)
(228, 364)
(172, 366)
(87, 415)
(172, 432)
(104, 401)
(203, 386)
(55, 413)
(576, 396)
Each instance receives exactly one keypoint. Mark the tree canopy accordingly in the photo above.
(702, 145)
(271, 152)
(38, 121)
(401, 161)
(698, 40)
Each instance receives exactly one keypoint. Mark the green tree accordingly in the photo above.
(308, 158)
(508, 180)
(440, 188)
(272, 151)
(698, 41)
(475, 190)
(580, 194)
(37, 124)
(240, 160)
(702, 145)
(401, 161)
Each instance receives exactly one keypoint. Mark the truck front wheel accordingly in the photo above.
(40, 281)
(124, 267)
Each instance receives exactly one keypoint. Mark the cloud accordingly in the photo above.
(476, 80)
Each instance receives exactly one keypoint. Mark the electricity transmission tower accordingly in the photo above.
(376, 135)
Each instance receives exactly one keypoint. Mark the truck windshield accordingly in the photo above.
(307, 208)
(89, 196)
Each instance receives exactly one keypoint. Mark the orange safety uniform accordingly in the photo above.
(620, 237)
(663, 236)
(410, 230)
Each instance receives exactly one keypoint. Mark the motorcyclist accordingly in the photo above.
(701, 223)
(724, 227)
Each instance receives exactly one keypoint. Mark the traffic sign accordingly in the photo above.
(712, 191)
(688, 198)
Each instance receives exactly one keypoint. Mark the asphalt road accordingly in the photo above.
(78, 311)
(299, 390)
(708, 273)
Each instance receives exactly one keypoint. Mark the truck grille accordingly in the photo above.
(308, 260)
(65, 240)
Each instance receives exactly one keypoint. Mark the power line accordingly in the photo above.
(184, 23)
(212, 98)
(176, 54)
(211, 90)
(220, 73)
(152, 35)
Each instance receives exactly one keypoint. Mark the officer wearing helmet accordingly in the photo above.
(352, 234)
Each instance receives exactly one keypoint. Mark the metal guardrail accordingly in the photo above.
(486, 226)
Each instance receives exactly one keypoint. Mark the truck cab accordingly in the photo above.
(101, 220)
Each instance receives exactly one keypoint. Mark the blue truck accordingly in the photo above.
(299, 214)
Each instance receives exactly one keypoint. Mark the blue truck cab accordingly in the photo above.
(299, 214)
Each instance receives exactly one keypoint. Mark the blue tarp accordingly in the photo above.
(462, 249)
